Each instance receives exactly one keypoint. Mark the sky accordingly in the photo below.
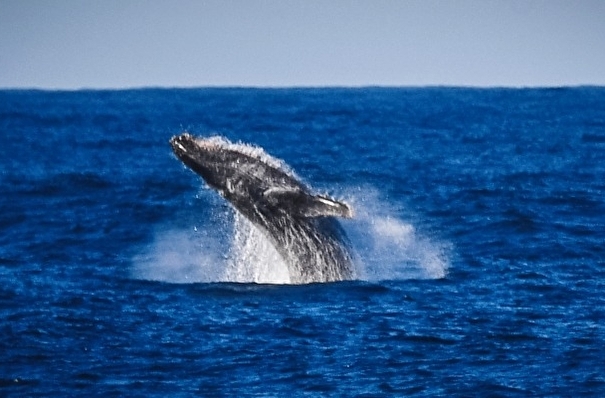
(75, 44)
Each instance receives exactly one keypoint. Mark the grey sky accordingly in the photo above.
(116, 44)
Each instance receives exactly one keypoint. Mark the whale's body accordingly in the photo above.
(301, 226)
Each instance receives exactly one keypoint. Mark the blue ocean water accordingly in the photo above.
(479, 231)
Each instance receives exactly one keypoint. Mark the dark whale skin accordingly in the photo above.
(302, 226)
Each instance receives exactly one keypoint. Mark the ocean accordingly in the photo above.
(478, 232)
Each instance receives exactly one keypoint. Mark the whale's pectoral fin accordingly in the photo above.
(303, 204)
(321, 206)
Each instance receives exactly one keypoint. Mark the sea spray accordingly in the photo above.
(253, 258)
(386, 248)
(180, 256)
(390, 248)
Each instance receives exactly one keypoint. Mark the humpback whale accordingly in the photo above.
(301, 225)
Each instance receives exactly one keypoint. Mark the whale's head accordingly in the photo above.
(237, 171)
(207, 157)
(249, 178)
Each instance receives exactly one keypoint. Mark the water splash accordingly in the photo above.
(229, 249)
(253, 257)
(392, 249)
(389, 247)
(386, 248)
(180, 256)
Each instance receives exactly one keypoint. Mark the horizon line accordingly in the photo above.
(300, 87)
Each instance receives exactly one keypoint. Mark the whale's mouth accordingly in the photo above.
(179, 143)
(194, 151)
(177, 146)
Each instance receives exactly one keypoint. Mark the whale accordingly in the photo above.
(302, 226)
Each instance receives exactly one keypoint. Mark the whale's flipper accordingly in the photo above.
(303, 204)
(321, 206)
